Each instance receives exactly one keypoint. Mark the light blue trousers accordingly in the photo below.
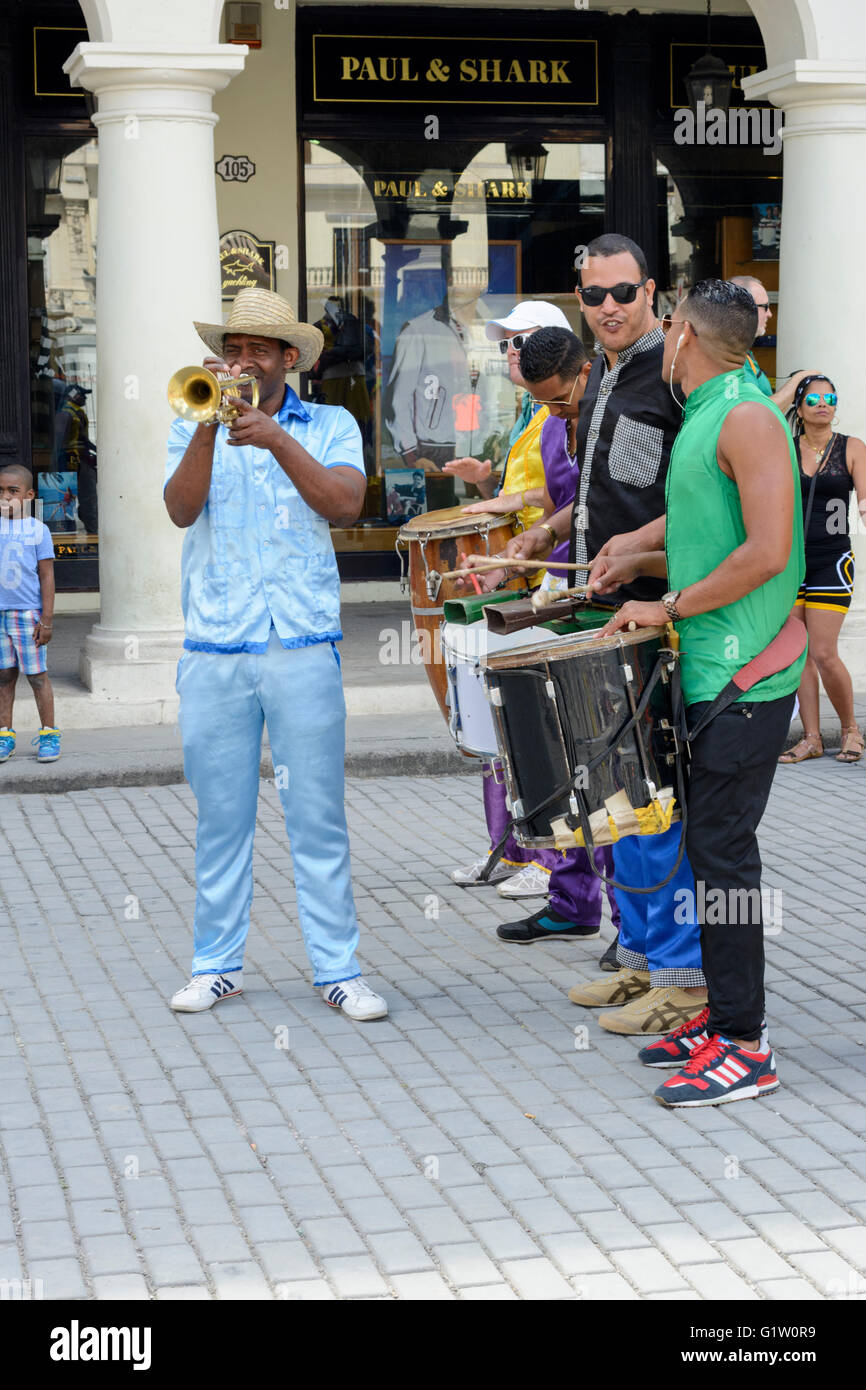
(659, 932)
(225, 701)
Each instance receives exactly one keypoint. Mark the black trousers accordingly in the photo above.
(732, 768)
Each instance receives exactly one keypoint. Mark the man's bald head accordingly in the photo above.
(760, 296)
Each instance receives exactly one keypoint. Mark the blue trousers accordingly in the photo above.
(659, 932)
(225, 701)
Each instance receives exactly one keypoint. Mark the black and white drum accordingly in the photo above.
(562, 710)
(466, 648)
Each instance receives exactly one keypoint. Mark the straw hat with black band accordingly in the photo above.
(263, 314)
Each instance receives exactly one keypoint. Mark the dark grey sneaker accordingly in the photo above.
(609, 960)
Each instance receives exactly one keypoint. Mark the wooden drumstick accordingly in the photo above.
(491, 562)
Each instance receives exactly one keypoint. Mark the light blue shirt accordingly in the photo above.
(24, 541)
(258, 556)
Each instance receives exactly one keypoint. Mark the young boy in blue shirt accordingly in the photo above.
(26, 609)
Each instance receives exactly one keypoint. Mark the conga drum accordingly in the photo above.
(434, 541)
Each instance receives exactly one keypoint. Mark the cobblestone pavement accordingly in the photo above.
(470, 1147)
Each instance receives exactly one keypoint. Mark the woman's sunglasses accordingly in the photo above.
(815, 398)
(625, 293)
(516, 342)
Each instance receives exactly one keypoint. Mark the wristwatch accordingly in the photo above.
(670, 603)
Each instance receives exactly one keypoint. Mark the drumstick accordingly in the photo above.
(488, 562)
(509, 561)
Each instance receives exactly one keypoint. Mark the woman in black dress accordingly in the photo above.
(831, 465)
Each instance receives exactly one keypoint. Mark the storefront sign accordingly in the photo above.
(245, 263)
(495, 190)
(51, 47)
(235, 168)
(445, 72)
(743, 60)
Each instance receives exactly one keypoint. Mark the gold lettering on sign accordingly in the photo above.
(534, 71)
(491, 66)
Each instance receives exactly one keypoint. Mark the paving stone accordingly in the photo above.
(354, 1277)
(173, 1264)
(717, 1281)
(111, 1255)
(286, 1260)
(127, 1286)
(465, 1264)
(537, 1279)
(648, 1270)
(242, 1280)
(426, 1286)
(399, 1252)
(756, 1259)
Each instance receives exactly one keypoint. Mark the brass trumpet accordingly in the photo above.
(196, 394)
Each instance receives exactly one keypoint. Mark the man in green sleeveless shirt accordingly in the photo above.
(731, 546)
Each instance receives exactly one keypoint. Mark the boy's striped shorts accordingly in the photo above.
(17, 645)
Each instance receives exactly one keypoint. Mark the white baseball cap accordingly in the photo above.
(529, 313)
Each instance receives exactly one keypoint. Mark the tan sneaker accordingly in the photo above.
(616, 988)
(657, 1010)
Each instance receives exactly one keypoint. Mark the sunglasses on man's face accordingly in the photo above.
(516, 342)
(667, 322)
(567, 401)
(815, 398)
(624, 293)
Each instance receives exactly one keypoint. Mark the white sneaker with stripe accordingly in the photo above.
(203, 991)
(355, 998)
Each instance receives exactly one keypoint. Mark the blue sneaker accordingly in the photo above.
(49, 745)
(718, 1072)
(7, 744)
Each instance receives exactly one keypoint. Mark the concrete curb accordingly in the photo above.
(413, 745)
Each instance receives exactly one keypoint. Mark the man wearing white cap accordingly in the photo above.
(261, 603)
(524, 473)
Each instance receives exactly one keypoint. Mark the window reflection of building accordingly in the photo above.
(409, 262)
(61, 249)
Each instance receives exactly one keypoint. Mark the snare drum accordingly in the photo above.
(558, 708)
(434, 541)
(465, 650)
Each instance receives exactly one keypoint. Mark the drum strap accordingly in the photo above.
(788, 644)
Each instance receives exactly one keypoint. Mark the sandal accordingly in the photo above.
(809, 747)
(852, 745)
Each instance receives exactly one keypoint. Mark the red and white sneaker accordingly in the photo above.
(719, 1072)
(676, 1048)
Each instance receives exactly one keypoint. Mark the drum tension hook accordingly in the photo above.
(434, 583)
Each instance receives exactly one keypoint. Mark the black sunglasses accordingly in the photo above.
(516, 342)
(625, 293)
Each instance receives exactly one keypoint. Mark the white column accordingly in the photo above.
(157, 270)
(822, 291)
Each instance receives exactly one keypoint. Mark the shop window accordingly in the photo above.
(407, 260)
(61, 265)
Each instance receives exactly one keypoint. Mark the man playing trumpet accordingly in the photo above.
(261, 603)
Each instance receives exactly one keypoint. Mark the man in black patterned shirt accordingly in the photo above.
(629, 419)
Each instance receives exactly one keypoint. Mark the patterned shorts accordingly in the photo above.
(829, 580)
(17, 647)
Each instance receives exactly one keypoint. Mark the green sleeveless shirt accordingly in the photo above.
(704, 524)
